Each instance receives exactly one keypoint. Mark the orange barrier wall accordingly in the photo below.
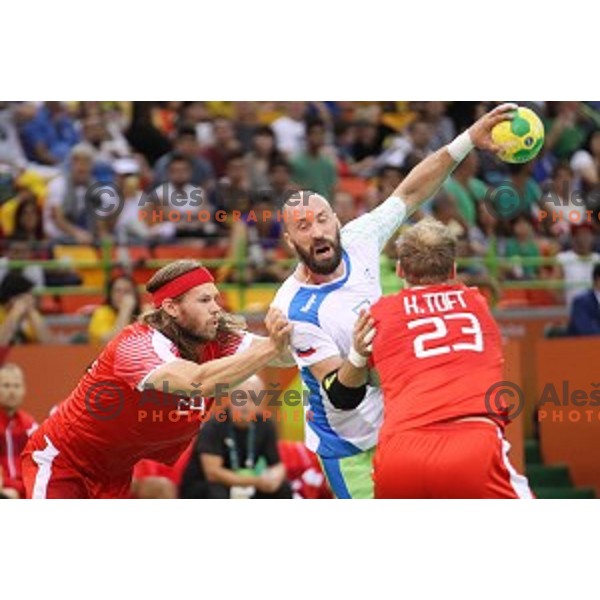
(570, 433)
(51, 372)
(515, 431)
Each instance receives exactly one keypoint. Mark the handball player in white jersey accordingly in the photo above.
(337, 278)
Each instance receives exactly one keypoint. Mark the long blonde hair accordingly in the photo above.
(189, 347)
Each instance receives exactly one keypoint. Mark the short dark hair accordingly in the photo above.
(313, 123)
(263, 130)
(178, 157)
(279, 163)
(185, 131)
(13, 285)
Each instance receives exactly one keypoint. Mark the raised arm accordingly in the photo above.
(427, 177)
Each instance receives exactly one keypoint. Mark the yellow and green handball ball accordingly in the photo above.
(521, 138)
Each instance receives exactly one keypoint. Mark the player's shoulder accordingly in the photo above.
(286, 293)
(142, 338)
(137, 330)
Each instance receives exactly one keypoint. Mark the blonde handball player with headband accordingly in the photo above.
(149, 390)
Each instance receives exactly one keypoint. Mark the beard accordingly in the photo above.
(190, 332)
(186, 337)
(322, 266)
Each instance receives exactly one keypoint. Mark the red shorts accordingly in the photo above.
(448, 460)
(47, 474)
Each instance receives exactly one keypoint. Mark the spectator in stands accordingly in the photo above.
(464, 186)
(312, 169)
(121, 308)
(16, 426)
(262, 155)
(48, 134)
(20, 321)
(388, 179)
(245, 123)
(290, 129)
(225, 144)
(344, 207)
(409, 148)
(564, 130)
(562, 204)
(141, 220)
(521, 244)
(257, 238)
(521, 179)
(443, 130)
(445, 209)
(106, 148)
(280, 183)
(575, 266)
(186, 144)
(11, 151)
(236, 453)
(69, 215)
(366, 147)
(585, 163)
(585, 310)
(142, 134)
(233, 190)
(483, 235)
(182, 201)
(195, 114)
(28, 221)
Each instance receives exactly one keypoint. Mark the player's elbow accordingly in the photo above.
(341, 396)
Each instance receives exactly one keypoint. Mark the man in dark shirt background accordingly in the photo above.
(235, 455)
(585, 310)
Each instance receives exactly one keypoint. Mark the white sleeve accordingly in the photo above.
(310, 344)
(380, 223)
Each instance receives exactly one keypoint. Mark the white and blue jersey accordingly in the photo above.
(323, 317)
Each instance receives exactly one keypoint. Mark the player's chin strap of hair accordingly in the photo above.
(342, 397)
(181, 285)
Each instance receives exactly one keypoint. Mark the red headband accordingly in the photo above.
(181, 285)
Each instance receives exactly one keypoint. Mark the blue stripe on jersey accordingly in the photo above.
(338, 486)
(307, 301)
(331, 445)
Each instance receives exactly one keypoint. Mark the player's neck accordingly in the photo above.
(309, 277)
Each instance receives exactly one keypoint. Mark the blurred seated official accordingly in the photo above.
(585, 310)
(15, 428)
(235, 455)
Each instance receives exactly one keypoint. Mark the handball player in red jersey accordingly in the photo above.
(437, 350)
(148, 392)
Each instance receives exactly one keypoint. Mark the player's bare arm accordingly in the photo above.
(285, 358)
(191, 377)
(345, 380)
(427, 177)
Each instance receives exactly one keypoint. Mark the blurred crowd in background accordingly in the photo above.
(222, 157)
(535, 226)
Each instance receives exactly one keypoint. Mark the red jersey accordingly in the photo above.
(437, 350)
(112, 419)
(14, 434)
